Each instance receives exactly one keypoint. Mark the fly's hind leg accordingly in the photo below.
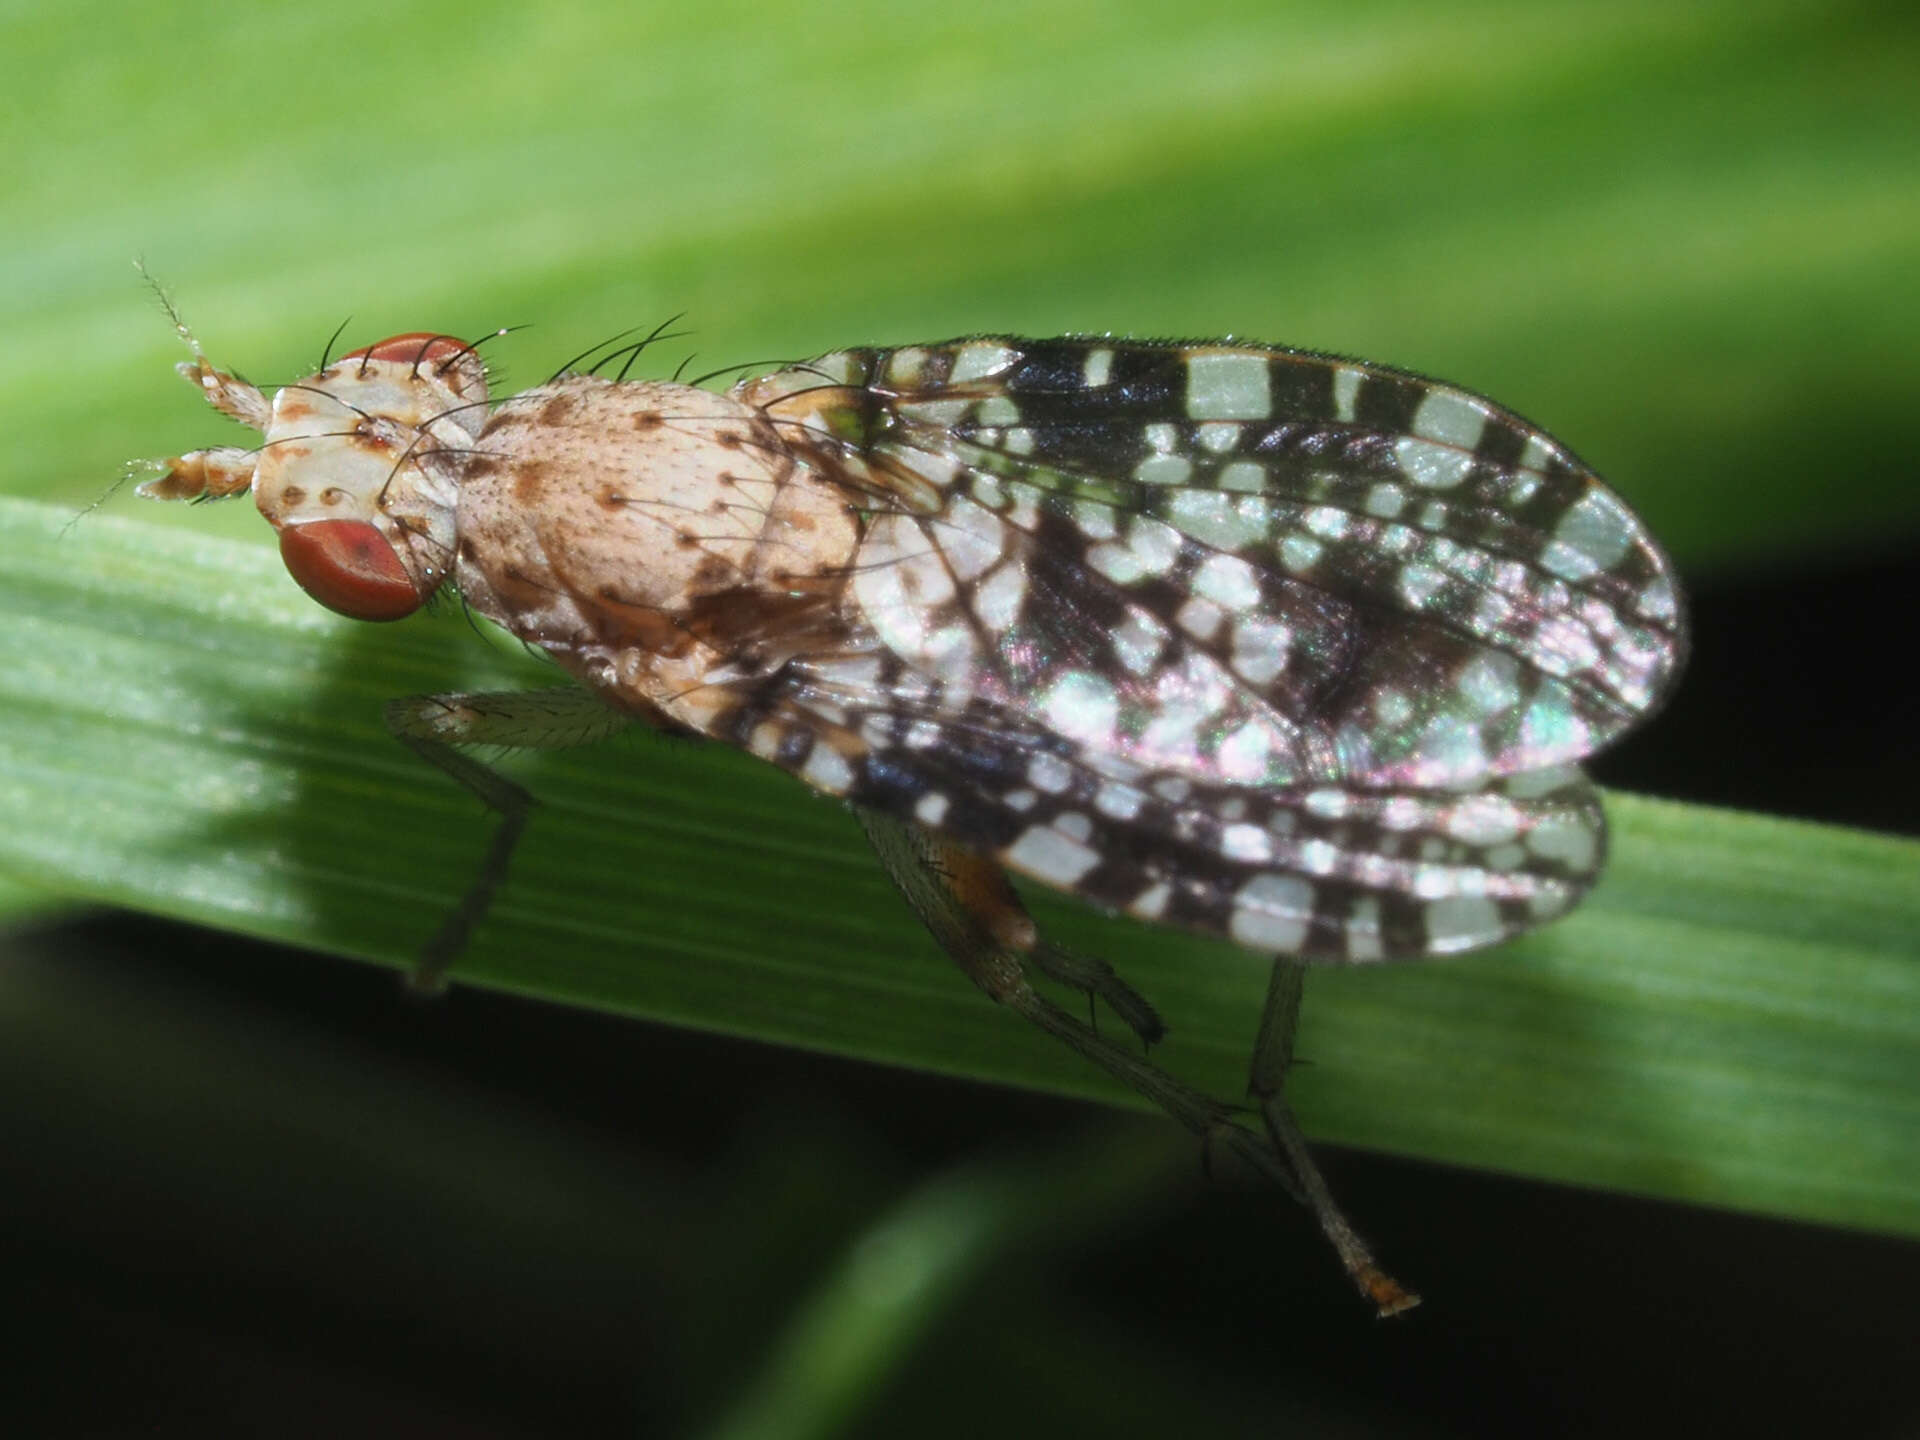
(1266, 1080)
(971, 910)
(432, 726)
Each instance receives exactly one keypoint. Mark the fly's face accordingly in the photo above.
(359, 472)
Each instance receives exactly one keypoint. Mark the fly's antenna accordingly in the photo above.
(180, 326)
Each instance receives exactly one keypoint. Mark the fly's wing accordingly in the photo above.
(1238, 565)
(1327, 873)
(1288, 649)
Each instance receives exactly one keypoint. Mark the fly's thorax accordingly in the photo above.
(359, 472)
(637, 529)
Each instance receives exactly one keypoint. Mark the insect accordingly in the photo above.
(1293, 650)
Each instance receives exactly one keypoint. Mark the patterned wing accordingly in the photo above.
(1325, 872)
(1240, 565)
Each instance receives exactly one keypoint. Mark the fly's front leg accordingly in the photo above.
(966, 902)
(1266, 1081)
(433, 725)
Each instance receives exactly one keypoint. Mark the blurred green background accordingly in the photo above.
(246, 1188)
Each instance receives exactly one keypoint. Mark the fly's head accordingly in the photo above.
(359, 471)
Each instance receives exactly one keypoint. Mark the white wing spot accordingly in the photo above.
(1567, 840)
(1599, 527)
(996, 410)
(1299, 553)
(1260, 648)
(1346, 390)
(1118, 563)
(1155, 544)
(1046, 854)
(827, 769)
(972, 538)
(1216, 518)
(1483, 820)
(1327, 804)
(1319, 857)
(1200, 618)
(1451, 418)
(1538, 453)
(898, 579)
(766, 738)
(1418, 584)
(1561, 559)
(930, 808)
(943, 414)
(1364, 940)
(1402, 812)
(1229, 387)
(1097, 367)
(1074, 825)
(1151, 903)
(1139, 641)
(1490, 683)
(1551, 900)
(1244, 754)
(1164, 470)
(1657, 601)
(1532, 784)
(1096, 520)
(1431, 466)
(1247, 843)
(1217, 437)
(1049, 773)
(1082, 706)
(1272, 912)
(1460, 922)
(998, 598)
(1242, 475)
(1329, 522)
(905, 367)
(980, 361)
(1386, 500)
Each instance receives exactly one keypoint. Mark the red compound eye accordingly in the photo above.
(348, 566)
(424, 348)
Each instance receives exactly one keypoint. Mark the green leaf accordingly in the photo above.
(1733, 1018)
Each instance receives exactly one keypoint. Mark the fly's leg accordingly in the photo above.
(1266, 1080)
(433, 725)
(971, 910)
(1094, 978)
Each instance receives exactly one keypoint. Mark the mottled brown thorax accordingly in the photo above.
(633, 528)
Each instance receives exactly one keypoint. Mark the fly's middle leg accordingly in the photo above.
(435, 726)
